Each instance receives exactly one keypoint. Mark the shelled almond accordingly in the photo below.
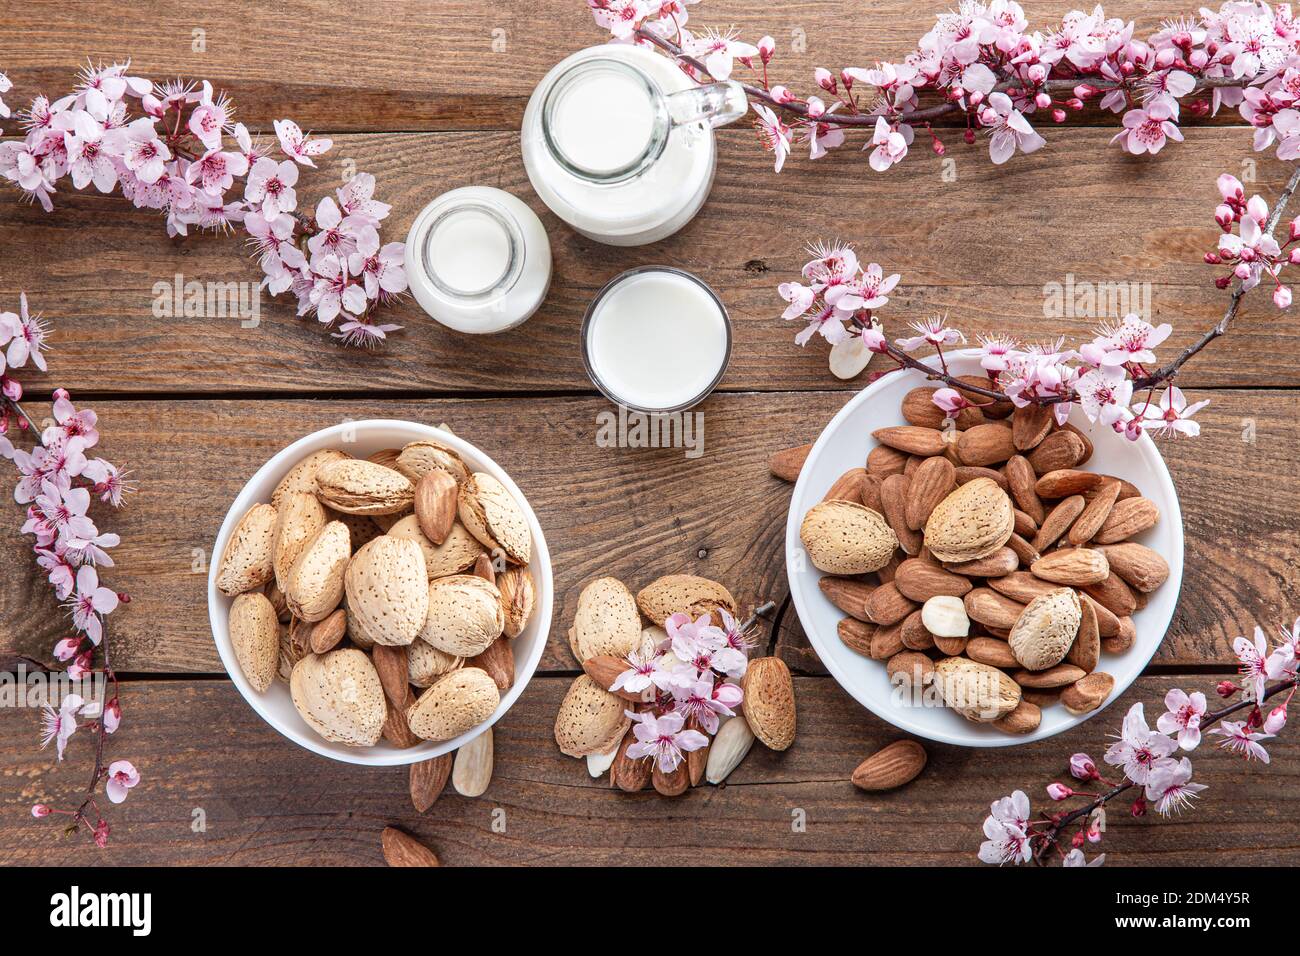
(369, 610)
(1011, 570)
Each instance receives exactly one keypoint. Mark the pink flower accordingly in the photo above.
(1146, 130)
(773, 133)
(66, 649)
(1104, 394)
(1012, 810)
(890, 145)
(1183, 716)
(28, 339)
(868, 290)
(381, 269)
(89, 603)
(210, 118)
(934, 331)
(732, 657)
(362, 333)
(1173, 415)
(638, 676)
(112, 716)
(59, 725)
(1276, 720)
(1005, 843)
(1076, 858)
(1011, 131)
(1138, 748)
(693, 641)
(1252, 657)
(143, 152)
(122, 776)
(271, 184)
(216, 170)
(89, 158)
(663, 739)
(297, 146)
(355, 199)
(1133, 340)
(1283, 661)
(337, 234)
(1242, 741)
(994, 351)
(332, 292)
(718, 51)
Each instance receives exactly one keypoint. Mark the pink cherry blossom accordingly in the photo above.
(932, 331)
(663, 739)
(295, 145)
(718, 51)
(91, 602)
(1138, 748)
(1170, 788)
(1182, 716)
(271, 184)
(950, 400)
(1104, 394)
(890, 145)
(706, 702)
(1004, 843)
(122, 776)
(1252, 655)
(1010, 129)
(774, 134)
(143, 152)
(638, 676)
(59, 725)
(1239, 739)
(1147, 130)
(1172, 416)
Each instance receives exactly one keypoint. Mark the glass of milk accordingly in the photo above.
(478, 260)
(656, 339)
(618, 142)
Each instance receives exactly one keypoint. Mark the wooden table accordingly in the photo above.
(428, 96)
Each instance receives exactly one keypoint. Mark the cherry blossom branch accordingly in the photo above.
(57, 482)
(1062, 823)
(803, 111)
(1168, 372)
(1147, 759)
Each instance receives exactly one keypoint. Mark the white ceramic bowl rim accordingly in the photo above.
(270, 706)
(1152, 621)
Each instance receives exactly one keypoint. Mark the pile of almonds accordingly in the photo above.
(593, 720)
(385, 592)
(981, 562)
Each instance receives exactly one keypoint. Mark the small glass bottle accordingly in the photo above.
(478, 260)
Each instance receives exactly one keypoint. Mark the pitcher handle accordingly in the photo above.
(717, 103)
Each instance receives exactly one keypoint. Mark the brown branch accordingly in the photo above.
(1221, 327)
(923, 115)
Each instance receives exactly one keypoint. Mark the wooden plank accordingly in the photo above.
(266, 802)
(421, 65)
(634, 513)
(963, 248)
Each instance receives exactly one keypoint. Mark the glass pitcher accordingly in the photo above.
(618, 142)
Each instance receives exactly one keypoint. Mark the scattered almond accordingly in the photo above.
(403, 850)
(427, 779)
(892, 766)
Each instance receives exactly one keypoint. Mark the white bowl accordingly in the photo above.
(365, 438)
(844, 444)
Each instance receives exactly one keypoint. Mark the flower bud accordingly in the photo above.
(939, 150)
(1036, 73)
(1082, 767)
(781, 94)
(969, 137)
(1139, 808)
(816, 108)
(1222, 282)
(1226, 688)
(1276, 719)
(1282, 297)
(1224, 216)
(976, 98)
(1165, 59)
(1042, 101)
(1212, 259)
(1294, 257)
(766, 47)
(1198, 59)
(1242, 271)
(1083, 91)
(1059, 791)
(846, 79)
(1127, 69)
(1074, 104)
(1077, 840)
(40, 810)
(1058, 115)
(825, 79)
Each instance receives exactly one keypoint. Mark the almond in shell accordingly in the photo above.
(302, 476)
(453, 704)
(249, 559)
(339, 696)
(255, 635)
(425, 663)
(768, 703)
(517, 597)
(418, 458)
(690, 593)
(455, 555)
(388, 590)
(299, 518)
(606, 622)
(976, 691)
(464, 615)
(491, 514)
(1046, 629)
(315, 584)
(360, 487)
(591, 720)
(972, 522)
(843, 537)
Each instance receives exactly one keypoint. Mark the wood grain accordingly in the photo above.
(964, 248)
(265, 801)
(422, 64)
(635, 513)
